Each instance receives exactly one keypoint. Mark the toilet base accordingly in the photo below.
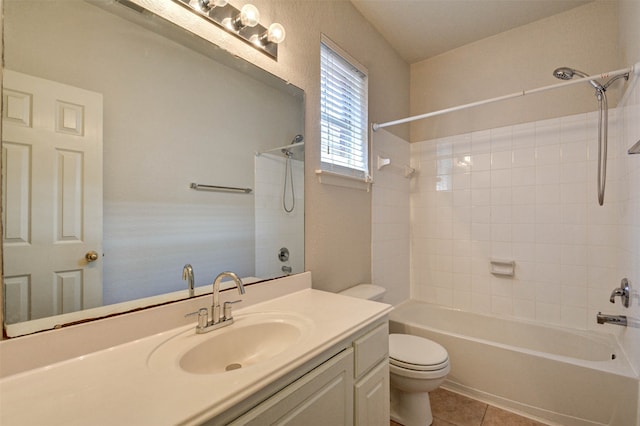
(411, 408)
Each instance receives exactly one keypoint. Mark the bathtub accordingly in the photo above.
(558, 376)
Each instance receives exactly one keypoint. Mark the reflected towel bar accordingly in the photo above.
(200, 187)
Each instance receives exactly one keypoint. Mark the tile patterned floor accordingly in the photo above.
(452, 409)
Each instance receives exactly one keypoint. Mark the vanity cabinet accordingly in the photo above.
(371, 388)
(348, 385)
(321, 397)
(333, 372)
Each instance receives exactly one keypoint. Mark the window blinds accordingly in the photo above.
(343, 115)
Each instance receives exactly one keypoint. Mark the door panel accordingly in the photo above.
(52, 190)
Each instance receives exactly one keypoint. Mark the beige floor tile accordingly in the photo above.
(440, 422)
(456, 409)
(436, 422)
(498, 417)
(452, 409)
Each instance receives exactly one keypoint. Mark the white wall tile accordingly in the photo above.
(525, 157)
(480, 179)
(501, 139)
(525, 309)
(530, 196)
(547, 154)
(548, 313)
(501, 160)
(500, 178)
(547, 174)
(574, 152)
(547, 132)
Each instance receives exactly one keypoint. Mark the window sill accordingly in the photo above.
(336, 179)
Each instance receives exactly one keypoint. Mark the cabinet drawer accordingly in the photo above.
(371, 348)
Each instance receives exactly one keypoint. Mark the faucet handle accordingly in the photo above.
(623, 291)
(614, 293)
(203, 316)
(227, 309)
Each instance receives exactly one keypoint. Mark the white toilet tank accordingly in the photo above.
(365, 291)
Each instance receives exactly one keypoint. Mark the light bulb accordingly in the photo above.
(249, 16)
(276, 33)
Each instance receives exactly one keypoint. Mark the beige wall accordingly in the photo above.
(629, 19)
(338, 220)
(585, 38)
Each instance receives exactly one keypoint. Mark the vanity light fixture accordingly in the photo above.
(243, 23)
(207, 5)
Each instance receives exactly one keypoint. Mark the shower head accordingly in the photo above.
(566, 73)
(297, 139)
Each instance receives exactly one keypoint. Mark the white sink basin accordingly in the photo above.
(250, 341)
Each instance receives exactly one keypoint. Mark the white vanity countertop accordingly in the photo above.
(116, 386)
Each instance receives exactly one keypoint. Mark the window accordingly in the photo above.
(343, 113)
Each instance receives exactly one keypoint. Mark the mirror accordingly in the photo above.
(110, 114)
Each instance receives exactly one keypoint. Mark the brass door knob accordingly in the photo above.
(91, 256)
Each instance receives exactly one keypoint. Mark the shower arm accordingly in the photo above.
(617, 77)
(614, 75)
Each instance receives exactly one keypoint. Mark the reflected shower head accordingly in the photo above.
(566, 73)
(296, 139)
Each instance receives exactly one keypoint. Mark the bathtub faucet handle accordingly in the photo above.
(623, 291)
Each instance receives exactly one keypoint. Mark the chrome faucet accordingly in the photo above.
(215, 308)
(611, 319)
(187, 275)
(204, 324)
(623, 291)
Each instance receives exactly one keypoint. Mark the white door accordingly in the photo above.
(52, 197)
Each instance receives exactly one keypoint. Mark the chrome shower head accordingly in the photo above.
(563, 73)
(297, 139)
(566, 73)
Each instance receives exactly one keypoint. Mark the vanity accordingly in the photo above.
(306, 357)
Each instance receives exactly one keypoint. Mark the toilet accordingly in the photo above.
(417, 366)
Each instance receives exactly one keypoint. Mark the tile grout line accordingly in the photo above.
(486, 407)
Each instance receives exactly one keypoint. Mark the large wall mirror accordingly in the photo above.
(109, 115)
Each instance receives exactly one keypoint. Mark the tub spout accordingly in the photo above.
(611, 319)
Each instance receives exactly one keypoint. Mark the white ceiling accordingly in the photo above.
(420, 29)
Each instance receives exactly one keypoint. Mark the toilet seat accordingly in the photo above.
(416, 353)
(417, 367)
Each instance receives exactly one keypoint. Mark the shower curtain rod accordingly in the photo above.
(633, 69)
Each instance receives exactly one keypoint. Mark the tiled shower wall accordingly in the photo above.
(276, 228)
(525, 193)
(390, 241)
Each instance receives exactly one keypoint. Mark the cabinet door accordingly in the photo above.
(322, 397)
(372, 397)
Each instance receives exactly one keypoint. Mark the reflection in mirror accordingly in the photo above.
(105, 126)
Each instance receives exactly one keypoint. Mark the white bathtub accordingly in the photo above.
(559, 376)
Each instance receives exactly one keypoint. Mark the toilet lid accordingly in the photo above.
(416, 353)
